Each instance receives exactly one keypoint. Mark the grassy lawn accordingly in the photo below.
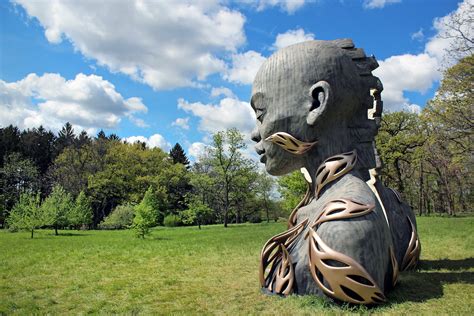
(212, 271)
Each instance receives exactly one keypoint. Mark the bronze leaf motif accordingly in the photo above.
(275, 255)
(412, 254)
(346, 279)
(290, 143)
(333, 168)
(342, 209)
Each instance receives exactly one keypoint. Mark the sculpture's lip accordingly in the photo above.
(263, 158)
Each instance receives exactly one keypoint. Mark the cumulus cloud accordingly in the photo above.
(155, 140)
(217, 92)
(448, 36)
(289, 6)
(181, 122)
(229, 113)
(196, 150)
(164, 44)
(292, 37)
(244, 67)
(418, 73)
(87, 101)
(378, 4)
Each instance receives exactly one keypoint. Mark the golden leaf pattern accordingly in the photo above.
(412, 254)
(290, 143)
(342, 209)
(333, 168)
(340, 276)
(275, 256)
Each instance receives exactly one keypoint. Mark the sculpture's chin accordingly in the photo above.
(278, 169)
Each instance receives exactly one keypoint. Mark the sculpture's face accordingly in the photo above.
(280, 107)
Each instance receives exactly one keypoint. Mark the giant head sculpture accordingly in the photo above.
(318, 109)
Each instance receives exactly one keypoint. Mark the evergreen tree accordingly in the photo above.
(66, 137)
(179, 156)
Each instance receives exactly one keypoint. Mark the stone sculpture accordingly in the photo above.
(318, 109)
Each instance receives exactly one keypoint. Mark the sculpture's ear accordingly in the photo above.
(321, 94)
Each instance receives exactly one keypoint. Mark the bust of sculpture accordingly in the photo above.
(318, 109)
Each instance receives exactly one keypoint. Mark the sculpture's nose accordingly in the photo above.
(255, 136)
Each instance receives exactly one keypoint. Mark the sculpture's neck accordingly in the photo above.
(330, 170)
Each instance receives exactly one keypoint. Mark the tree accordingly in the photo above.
(145, 215)
(226, 159)
(27, 213)
(18, 175)
(197, 213)
(58, 208)
(264, 188)
(121, 217)
(81, 213)
(179, 156)
(292, 188)
(66, 137)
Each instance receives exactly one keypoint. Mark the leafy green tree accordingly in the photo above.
(18, 175)
(264, 187)
(121, 217)
(226, 158)
(81, 213)
(197, 213)
(292, 188)
(27, 214)
(58, 207)
(145, 214)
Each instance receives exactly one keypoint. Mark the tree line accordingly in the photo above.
(123, 185)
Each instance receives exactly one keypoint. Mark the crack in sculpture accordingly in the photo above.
(356, 237)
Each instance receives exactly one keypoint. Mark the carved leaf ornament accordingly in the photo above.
(333, 168)
(412, 254)
(290, 143)
(275, 256)
(338, 275)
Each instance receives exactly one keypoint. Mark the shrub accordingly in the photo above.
(121, 217)
(145, 214)
(172, 220)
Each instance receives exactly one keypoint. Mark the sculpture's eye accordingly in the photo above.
(257, 104)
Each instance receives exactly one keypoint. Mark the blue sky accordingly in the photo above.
(177, 71)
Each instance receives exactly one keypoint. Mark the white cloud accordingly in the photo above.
(217, 92)
(228, 113)
(181, 122)
(292, 37)
(196, 150)
(164, 44)
(378, 4)
(87, 102)
(407, 72)
(290, 6)
(445, 36)
(244, 67)
(418, 36)
(155, 140)
(418, 73)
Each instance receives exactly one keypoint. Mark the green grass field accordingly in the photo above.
(208, 271)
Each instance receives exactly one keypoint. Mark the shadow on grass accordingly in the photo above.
(422, 285)
(452, 265)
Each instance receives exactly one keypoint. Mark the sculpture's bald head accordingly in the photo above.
(302, 90)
